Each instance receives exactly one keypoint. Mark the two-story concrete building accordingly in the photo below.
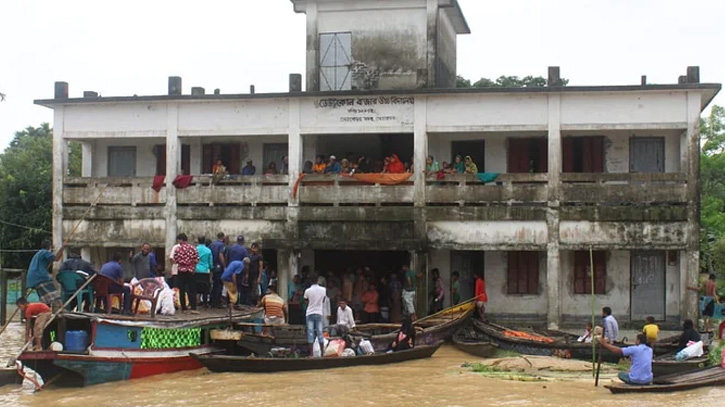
(612, 169)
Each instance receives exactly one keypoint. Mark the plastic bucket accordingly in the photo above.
(76, 341)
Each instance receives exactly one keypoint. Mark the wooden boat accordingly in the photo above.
(551, 343)
(710, 376)
(472, 345)
(666, 364)
(123, 347)
(431, 329)
(225, 363)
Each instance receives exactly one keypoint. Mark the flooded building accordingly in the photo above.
(569, 176)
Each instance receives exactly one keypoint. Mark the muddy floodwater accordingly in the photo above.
(439, 381)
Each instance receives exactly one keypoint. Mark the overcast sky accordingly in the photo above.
(121, 48)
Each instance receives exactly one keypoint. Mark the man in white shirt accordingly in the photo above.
(315, 296)
(345, 320)
(611, 328)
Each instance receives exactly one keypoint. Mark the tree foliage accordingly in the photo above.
(712, 190)
(26, 191)
(504, 81)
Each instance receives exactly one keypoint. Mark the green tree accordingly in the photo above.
(712, 190)
(26, 191)
(506, 82)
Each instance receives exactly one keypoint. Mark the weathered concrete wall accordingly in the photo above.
(623, 234)
(446, 52)
(119, 232)
(513, 305)
(145, 159)
(252, 230)
(588, 111)
(479, 235)
(388, 42)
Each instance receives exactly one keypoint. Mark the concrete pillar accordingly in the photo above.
(420, 149)
(174, 85)
(61, 90)
(418, 263)
(288, 266)
(294, 147)
(172, 170)
(432, 9)
(313, 48)
(553, 263)
(60, 147)
(295, 83)
(87, 159)
(689, 305)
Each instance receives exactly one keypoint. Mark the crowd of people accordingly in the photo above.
(360, 164)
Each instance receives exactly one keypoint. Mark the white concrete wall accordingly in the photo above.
(499, 301)
(145, 158)
(619, 233)
(583, 110)
(441, 233)
(497, 111)
(240, 117)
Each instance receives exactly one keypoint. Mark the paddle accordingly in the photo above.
(52, 317)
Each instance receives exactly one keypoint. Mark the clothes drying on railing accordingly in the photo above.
(382, 179)
(158, 183)
(180, 182)
(487, 176)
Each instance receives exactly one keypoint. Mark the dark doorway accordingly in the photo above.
(160, 153)
(475, 148)
(339, 261)
(583, 154)
(648, 285)
(528, 155)
(229, 153)
(466, 263)
(273, 153)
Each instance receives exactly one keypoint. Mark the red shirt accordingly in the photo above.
(35, 308)
(186, 257)
(721, 329)
(481, 290)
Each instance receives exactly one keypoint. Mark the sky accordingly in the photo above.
(122, 48)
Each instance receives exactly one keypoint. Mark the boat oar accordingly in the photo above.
(52, 318)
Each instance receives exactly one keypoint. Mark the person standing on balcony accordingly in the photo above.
(319, 166)
(459, 167)
(39, 276)
(249, 169)
(333, 167)
(471, 167)
(187, 257)
(395, 166)
(203, 271)
(218, 168)
(431, 166)
(143, 264)
(219, 264)
(271, 169)
(285, 166)
(345, 167)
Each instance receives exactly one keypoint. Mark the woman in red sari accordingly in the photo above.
(395, 166)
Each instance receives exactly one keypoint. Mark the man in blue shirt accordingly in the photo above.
(333, 167)
(39, 276)
(230, 277)
(249, 169)
(641, 371)
(237, 253)
(219, 263)
(114, 271)
(611, 327)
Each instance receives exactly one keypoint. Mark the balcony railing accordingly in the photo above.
(635, 188)
(469, 189)
(335, 190)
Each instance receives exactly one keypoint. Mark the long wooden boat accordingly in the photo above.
(225, 363)
(666, 364)
(123, 347)
(551, 343)
(710, 376)
(468, 343)
(431, 329)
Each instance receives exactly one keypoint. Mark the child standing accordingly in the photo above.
(651, 329)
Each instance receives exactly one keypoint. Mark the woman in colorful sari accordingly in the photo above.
(458, 166)
(395, 166)
(471, 167)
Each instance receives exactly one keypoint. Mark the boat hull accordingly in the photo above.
(107, 366)
(711, 376)
(222, 363)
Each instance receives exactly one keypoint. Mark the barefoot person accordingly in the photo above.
(42, 315)
(710, 300)
(39, 276)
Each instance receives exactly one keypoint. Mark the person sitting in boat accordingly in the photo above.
(587, 336)
(275, 309)
(405, 339)
(345, 320)
(42, 315)
(689, 334)
(651, 330)
(641, 371)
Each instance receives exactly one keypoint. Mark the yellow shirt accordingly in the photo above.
(651, 330)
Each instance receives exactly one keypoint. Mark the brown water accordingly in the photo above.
(439, 381)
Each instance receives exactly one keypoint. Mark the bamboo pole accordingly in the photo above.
(591, 273)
